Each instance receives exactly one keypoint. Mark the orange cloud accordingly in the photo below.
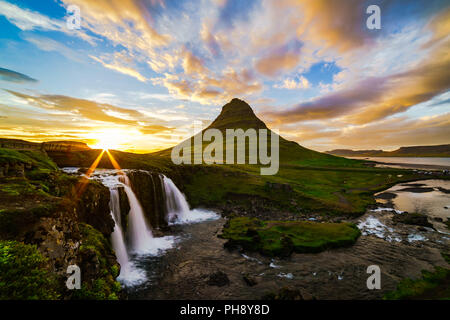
(276, 63)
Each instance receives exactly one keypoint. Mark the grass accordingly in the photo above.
(326, 190)
(35, 158)
(23, 275)
(281, 238)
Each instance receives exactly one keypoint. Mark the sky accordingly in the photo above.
(138, 74)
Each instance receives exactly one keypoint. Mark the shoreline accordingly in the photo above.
(433, 167)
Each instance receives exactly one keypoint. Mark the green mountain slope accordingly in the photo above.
(237, 114)
(307, 182)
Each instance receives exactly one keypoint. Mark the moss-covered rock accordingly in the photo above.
(23, 274)
(281, 238)
(98, 265)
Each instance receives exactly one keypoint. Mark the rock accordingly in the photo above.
(279, 186)
(438, 219)
(417, 189)
(124, 208)
(249, 280)
(287, 246)
(148, 187)
(218, 279)
(386, 196)
(444, 190)
(285, 293)
(93, 208)
(307, 296)
(413, 219)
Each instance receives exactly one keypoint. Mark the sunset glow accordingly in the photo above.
(147, 70)
(110, 139)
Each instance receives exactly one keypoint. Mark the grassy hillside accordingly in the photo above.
(316, 182)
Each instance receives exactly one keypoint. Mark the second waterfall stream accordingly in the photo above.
(136, 241)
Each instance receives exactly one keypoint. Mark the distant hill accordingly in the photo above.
(46, 146)
(414, 151)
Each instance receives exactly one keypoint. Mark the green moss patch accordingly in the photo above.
(23, 274)
(95, 247)
(35, 158)
(281, 238)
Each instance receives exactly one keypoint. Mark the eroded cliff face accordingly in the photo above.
(93, 208)
(149, 190)
(41, 209)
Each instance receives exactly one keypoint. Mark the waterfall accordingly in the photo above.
(128, 273)
(177, 207)
(140, 234)
(176, 204)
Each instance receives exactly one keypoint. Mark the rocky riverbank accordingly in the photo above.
(201, 268)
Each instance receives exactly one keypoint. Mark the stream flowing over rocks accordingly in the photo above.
(182, 257)
(143, 203)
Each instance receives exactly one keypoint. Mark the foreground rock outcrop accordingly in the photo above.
(46, 225)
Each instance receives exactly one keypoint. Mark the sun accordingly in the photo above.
(109, 139)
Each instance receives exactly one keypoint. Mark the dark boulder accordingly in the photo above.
(93, 208)
(148, 187)
(413, 219)
(218, 279)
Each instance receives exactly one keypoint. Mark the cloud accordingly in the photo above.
(281, 59)
(13, 76)
(192, 65)
(80, 109)
(125, 22)
(393, 133)
(374, 98)
(386, 134)
(153, 129)
(47, 44)
(121, 63)
(301, 83)
(334, 104)
(28, 20)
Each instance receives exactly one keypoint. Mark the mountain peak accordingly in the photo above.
(237, 114)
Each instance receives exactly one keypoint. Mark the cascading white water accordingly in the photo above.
(176, 204)
(128, 273)
(140, 234)
(141, 238)
(178, 211)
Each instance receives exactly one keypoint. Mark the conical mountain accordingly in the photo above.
(237, 114)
